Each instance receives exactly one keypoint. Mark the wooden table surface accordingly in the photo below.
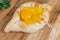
(47, 33)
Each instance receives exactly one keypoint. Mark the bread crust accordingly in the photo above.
(12, 26)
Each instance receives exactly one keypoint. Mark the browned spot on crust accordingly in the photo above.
(36, 5)
(40, 20)
(23, 26)
(18, 12)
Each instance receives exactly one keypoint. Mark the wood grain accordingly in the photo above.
(43, 34)
(55, 30)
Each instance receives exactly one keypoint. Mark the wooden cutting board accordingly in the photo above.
(47, 33)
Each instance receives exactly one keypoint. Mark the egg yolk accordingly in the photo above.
(31, 14)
